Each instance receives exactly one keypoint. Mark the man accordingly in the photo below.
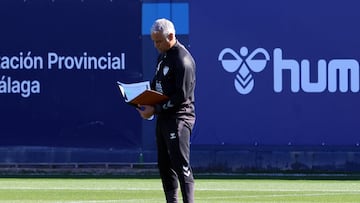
(175, 77)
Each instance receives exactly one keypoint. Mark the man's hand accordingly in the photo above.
(146, 111)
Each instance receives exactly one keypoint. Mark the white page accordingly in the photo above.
(130, 91)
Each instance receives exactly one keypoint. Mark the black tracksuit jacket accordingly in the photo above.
(175, 77)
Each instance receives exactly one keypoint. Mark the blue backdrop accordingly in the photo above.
(59, 64)
(259, 82)
(268, 72)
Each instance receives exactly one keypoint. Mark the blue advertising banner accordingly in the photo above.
(276, 72)
(59, 63)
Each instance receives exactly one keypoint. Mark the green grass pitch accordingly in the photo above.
(126, 190)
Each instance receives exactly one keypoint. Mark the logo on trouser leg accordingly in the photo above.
(186, 171)
(172, 136)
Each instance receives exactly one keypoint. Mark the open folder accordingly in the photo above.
(140, 93)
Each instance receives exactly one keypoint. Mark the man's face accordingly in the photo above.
(160, 42)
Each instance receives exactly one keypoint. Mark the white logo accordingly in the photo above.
(186, 171)
(244, 81)
(172, 136)
(158, 86)
(337, 72)
(165, 70)
(342, 74)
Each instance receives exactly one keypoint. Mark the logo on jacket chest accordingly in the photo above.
(165, 70)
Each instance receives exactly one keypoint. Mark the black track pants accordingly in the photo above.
(173, 143)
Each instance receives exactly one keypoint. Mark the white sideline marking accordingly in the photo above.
(283, 195)
(155, 189)
(69, 188)
(83, 201)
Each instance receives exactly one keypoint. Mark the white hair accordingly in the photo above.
(164, 26)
